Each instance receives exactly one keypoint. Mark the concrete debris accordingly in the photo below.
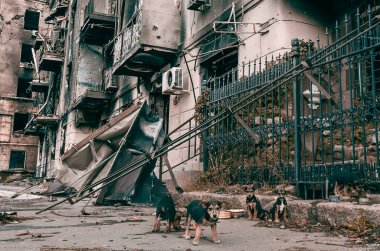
(37, 235)
(7, 217)
(9, 194)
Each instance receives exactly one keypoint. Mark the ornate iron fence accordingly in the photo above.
(301, 116)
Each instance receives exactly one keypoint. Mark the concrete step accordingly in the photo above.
(336, 214)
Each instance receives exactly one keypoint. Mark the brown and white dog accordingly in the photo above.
(254, 209)
(204, 213)
(279, 208)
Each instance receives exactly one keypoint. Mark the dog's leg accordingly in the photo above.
(198, 233)
(214, 234)
(336, 189)
(250, 217)
(284, 216)
(156, 227)
(254, 211)
(345, 191)
(167, 229)
(187, 232)
(276, 214)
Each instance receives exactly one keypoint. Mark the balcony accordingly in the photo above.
(34, 130)
(26, 70)
(198, 5)
(150, 39)
(46, 120)
(39, 85)
(92, 100)
(58, 10)
(50, 55)
(99, 22)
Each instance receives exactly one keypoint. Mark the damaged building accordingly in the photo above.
(106, 64)
(20, 22)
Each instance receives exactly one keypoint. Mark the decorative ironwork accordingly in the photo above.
(329, 130)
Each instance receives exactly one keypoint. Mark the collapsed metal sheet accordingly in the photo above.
(132, 138)
(145, 135)
(86, 163)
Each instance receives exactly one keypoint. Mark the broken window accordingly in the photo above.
(17, 160)
(222, 64)
(26, 53)
(19, 121)
(31, 20)
(23, 90)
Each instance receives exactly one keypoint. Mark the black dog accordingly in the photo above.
(279, 209)
(345, 179)
(254, 208)
(166, 211)
(203, 213)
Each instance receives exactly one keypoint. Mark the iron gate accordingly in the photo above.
(300, 116)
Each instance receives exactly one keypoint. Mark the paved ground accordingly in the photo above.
(115, 228)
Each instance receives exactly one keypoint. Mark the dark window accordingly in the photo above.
(31, 20)
(23, 90)
(221, 64)
(19, 121)
(26, 53)
(17, 160)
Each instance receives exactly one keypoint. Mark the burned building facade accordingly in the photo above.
(20, 22)
(103, 56)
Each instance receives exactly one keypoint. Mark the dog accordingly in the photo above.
(279, 209)
(345, 179)
(203, 213)
(166, 211)
(254, 209)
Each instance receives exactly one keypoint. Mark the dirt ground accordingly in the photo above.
(129, 228)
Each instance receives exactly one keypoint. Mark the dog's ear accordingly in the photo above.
(204, 203)
(220, 204)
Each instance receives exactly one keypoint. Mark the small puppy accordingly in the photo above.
(203, 213)
(345, 179)
(279, 209)
(166, 211)
(254, 209)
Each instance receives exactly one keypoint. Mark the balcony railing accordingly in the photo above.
(50, 55)
(100, 7)
(140, 50)
(99, 24)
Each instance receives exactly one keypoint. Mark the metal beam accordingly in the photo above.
(245, 125)
(315, 82)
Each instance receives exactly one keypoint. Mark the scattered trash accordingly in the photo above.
(37, 235)
(9, 194)
(8, 218)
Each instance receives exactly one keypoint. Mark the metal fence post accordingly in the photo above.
(204, 134)
(297, 114)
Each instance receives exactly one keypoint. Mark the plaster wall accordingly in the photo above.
(285, 20)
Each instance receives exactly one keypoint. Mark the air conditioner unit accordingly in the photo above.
(34, 33)
(29, 66)
(111, 84)
(172, 81)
